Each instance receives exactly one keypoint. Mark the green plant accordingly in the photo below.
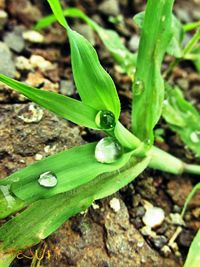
(177, 111)
(47, 193)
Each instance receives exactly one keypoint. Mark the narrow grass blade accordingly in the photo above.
(9, 203)
(196, 51)
(183, 118)
(175, 45)
(69, 12)
(189, 198)
(94, 84)
(110, 39)
(63, 106)
(72, 168)
(148, 88)
(193, 257)
(44, 216)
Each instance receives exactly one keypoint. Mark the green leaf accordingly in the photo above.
(175, 45)
(9, 204)
(183, 118)
(69, 12)
(174, 48)
(94, 84)
(189, 198)
(72, 168)
(44, 216)
(118, 51)
(148, 88)
(63, 106)
(193, 257)
(110, 39)
(196, 51)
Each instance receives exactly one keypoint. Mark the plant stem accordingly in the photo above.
(163, 161)
(6, 259)
(191, 26)
(192, 42)
(160, 160)
(190, 168)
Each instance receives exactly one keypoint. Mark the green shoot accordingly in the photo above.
(193, 257)
(148, 87)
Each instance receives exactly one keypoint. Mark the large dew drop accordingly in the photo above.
(108, 150)
(47, 179)
(138, 87)
(105, 119)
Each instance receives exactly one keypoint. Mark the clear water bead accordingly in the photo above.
(138, 87)
(195, 136)
(108, 150)
(105, 119)
(47, 179)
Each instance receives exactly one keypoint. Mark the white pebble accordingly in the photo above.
(23, 63)
(33, 37)
(38, 156)
(153, 217)
(115, 204)
(41, 63)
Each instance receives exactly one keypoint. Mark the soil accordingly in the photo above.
(103, 236)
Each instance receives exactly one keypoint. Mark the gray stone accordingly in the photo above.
(183, 15)
(159, 241)
(86, 31)
(14, 40)
(110, 8)
(67, 87)
(134, 43)
(6, 64)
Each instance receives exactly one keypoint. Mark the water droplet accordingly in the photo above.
(138, 87)
(195, 136)
(47, 179)
(163, 18)
(105, 119)
(108, 150)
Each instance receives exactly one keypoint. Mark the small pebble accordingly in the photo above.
(166, 251)
(134, 43)
(67, 87)
(176, 219)
(38, 157)
(95, 206)
(153, 217)
(31, 113)
(159, 241)
(115, 204)
(86, 31)
(146, 231)
(33, 36)
(14, 41)
(110, 7)
(23, 63)
(41, 63)
(140, 211)
(7, 66)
